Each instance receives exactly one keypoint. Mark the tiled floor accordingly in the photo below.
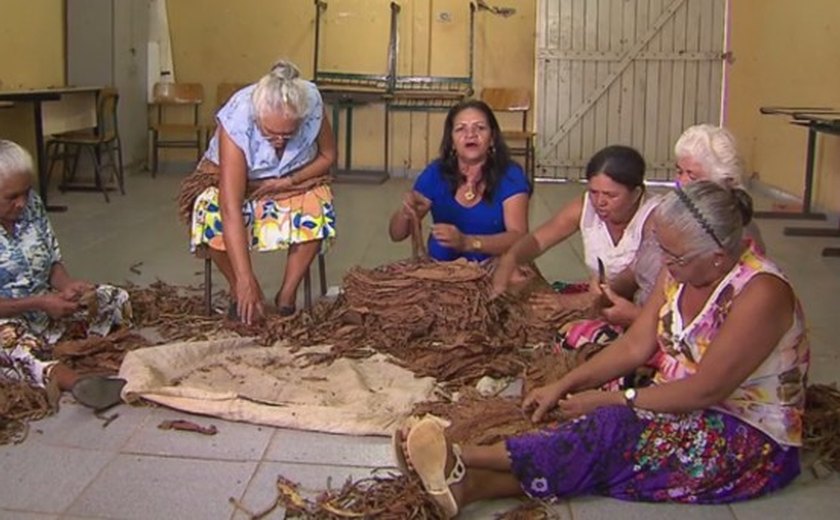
(72, 467)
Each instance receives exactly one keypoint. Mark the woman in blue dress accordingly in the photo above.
(477, 195)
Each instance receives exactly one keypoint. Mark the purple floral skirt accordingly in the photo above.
(705, 457)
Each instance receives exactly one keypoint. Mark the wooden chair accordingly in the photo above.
(224, 91)
(307, 283)
(520, 141)
(167, 99)
(104, 140)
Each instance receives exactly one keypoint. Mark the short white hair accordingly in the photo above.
(14, 160)
(281, 90)
(713, 147)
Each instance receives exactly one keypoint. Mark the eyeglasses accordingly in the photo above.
(275, 137)
(278, 138)
(680, 260)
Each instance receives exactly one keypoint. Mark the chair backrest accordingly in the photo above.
(178, 93)
(106, 114)
(171, 94)
(224, 91)
(509, 100)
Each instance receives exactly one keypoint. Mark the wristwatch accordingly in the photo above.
(630, 397)
(475, 244)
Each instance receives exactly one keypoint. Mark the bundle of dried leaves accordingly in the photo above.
(822, 423)
(437, 319)
(97, 354)
(387, 497)
(19, 404)
(176, 312)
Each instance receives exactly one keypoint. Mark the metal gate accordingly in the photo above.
(633, 72)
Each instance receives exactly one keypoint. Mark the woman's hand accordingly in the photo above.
(249, 300)
(57, 306)
(575, 405)
(543, 399)
(272, 187)
(449, 236)
(75, 289)
(502, 273)
(622, 311)
(413, 206)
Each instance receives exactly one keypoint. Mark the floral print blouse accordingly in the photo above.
(772, 398)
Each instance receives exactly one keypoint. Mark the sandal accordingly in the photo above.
(283, 310)
(427, 451)
(232, 313)
(397, 442)
(98, 392)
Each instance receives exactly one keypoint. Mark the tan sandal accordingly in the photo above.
(426, 447)
(397, 442)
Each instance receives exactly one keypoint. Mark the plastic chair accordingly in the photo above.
(514, 100)
(175, 97)
(99, 141)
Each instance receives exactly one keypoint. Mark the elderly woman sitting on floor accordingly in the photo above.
(39, 302)
(723, 420)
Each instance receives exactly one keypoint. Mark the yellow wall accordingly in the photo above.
(237, 41)
(32, 56)
(786, 53)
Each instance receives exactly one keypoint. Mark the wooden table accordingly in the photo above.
(37, 97)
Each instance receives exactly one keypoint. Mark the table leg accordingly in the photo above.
(43, 180)
(806, 213)
(348, 137)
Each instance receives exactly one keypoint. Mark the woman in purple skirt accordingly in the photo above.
(722, 421)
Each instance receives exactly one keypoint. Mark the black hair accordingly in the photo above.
(745, 205)
(498, 158)
(622, 164)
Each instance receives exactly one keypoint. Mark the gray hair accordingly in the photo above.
(14, 160)
(708, 215)
(714, 148)
(281, 90)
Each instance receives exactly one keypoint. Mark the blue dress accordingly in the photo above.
(485, 218)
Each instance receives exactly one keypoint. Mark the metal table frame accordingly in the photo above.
(37, 97)
(817, 120)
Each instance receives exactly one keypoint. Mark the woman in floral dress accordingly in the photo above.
(722, 421)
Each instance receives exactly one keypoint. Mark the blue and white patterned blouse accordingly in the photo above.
(28, 253)
(238, 119)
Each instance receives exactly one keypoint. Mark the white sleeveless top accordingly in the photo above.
(597, 242)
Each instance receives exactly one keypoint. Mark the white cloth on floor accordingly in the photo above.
(237, 379)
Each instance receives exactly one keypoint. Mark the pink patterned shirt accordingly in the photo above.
(772, 398)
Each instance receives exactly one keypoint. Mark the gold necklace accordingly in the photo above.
(470, 194)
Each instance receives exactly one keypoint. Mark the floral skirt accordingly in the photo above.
(26, 342)
(271, 224)
(705, 457)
